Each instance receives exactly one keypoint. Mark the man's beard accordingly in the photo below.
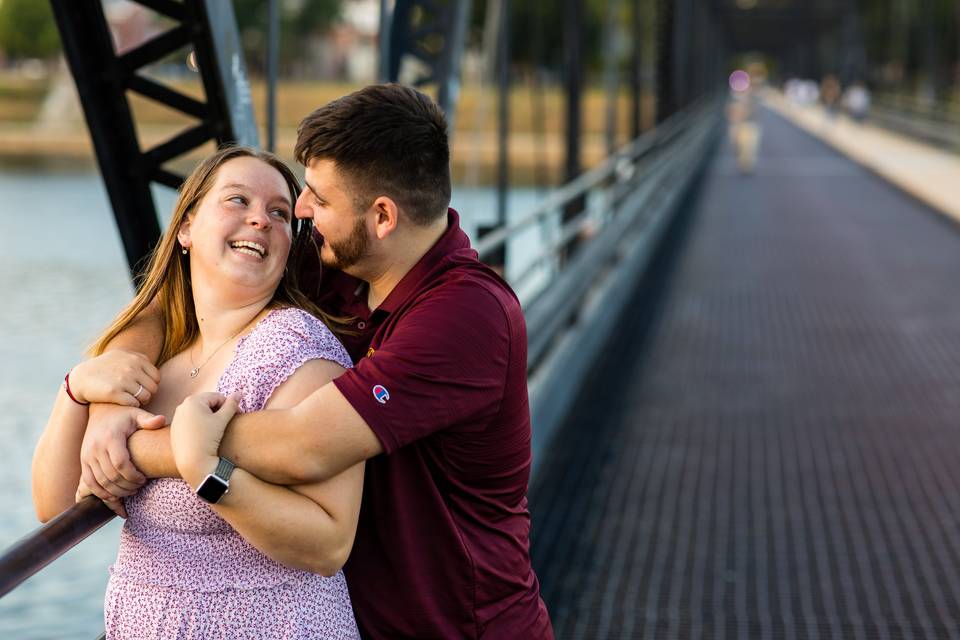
(348, 252)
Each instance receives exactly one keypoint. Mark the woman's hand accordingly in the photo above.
(113, 504)
(196, 431)
(115, 377)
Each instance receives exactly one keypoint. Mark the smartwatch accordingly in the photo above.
(216, 484)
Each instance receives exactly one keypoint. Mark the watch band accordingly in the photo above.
(224, 469)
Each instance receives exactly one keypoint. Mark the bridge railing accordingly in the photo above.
(933, 122)
(572, 287)
(575, 285)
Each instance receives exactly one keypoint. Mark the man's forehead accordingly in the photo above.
(322, 167)
(323, 177)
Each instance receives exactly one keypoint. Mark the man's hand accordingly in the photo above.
(105, 465)
(197, 429)
(115, 377)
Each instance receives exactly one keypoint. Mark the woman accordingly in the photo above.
(249, 565)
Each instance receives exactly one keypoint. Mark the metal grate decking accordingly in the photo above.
(771, 448)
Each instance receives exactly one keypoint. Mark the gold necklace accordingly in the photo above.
(196, 370)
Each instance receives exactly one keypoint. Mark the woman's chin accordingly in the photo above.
(241, 280)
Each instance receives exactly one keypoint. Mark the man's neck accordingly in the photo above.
(415, 245)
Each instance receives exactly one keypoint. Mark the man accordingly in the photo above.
(437, 402)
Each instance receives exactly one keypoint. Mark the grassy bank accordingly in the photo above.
(29, 134)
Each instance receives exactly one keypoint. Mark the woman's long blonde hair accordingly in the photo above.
(167, 280)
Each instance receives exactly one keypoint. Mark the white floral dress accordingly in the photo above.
(183, 572)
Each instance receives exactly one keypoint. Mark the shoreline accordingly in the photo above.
(533, 159)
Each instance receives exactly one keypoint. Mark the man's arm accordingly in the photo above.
(312, 442)
(151, 453)
(143, 335)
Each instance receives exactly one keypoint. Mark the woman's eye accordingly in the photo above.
(237, 199)
(283, 214)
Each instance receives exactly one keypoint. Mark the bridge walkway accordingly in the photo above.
(770, 447)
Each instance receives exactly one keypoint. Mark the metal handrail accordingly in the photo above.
(936, 126)
(548, 315)
(47, 543)
(570, 321)
(632, 174)
(559, 198)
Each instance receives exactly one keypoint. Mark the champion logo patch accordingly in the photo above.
(381, 394)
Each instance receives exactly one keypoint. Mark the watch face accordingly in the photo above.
(212, 489)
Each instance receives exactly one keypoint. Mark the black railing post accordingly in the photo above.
(499, 260)
(636, 71)
(573, 41)
(666, 105)
(103, 79)
(273, 54)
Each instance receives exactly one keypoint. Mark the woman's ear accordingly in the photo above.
(183, 233)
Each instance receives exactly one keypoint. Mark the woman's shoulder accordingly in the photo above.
(289, 331)
(298, 321)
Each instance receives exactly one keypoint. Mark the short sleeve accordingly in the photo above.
(273, 351)
(443, 365)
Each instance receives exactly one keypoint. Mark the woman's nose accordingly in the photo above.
(258, 218)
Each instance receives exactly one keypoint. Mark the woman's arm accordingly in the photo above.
(56, 460)
(105, 462)
(307, 527)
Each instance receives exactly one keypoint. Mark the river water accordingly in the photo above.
(62, 278)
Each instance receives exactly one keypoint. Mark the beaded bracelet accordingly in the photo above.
(66, 386)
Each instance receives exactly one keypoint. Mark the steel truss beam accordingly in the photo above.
(432, 32)
(103, 79)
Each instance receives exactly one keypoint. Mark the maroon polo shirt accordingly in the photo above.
(442, 548)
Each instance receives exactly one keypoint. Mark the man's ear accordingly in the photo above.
(387, 216)
(183, 233)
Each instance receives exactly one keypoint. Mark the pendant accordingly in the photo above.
(194, 372)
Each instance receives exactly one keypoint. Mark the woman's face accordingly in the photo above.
(240, 233)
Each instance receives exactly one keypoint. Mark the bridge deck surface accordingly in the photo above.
(771, 447)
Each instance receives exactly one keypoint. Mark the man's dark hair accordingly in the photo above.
(385, 139)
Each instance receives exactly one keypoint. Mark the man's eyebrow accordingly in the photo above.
(310, 186)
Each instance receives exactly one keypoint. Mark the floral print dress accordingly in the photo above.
(183, 572)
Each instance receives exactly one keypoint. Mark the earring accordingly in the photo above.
(184, 251)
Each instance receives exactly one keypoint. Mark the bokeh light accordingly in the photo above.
(739, 80)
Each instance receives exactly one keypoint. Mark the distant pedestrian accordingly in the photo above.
(745, 132)
(856, 100)
(830, 94)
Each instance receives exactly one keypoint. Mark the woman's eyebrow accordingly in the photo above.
(237, 185)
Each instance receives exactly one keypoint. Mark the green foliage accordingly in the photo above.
(27, 29)
(537, 30)
(299, 20)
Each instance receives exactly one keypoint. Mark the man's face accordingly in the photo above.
(326, 200)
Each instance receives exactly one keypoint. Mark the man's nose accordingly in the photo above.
(301, 208)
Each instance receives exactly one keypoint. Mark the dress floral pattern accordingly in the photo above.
(183, 572)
